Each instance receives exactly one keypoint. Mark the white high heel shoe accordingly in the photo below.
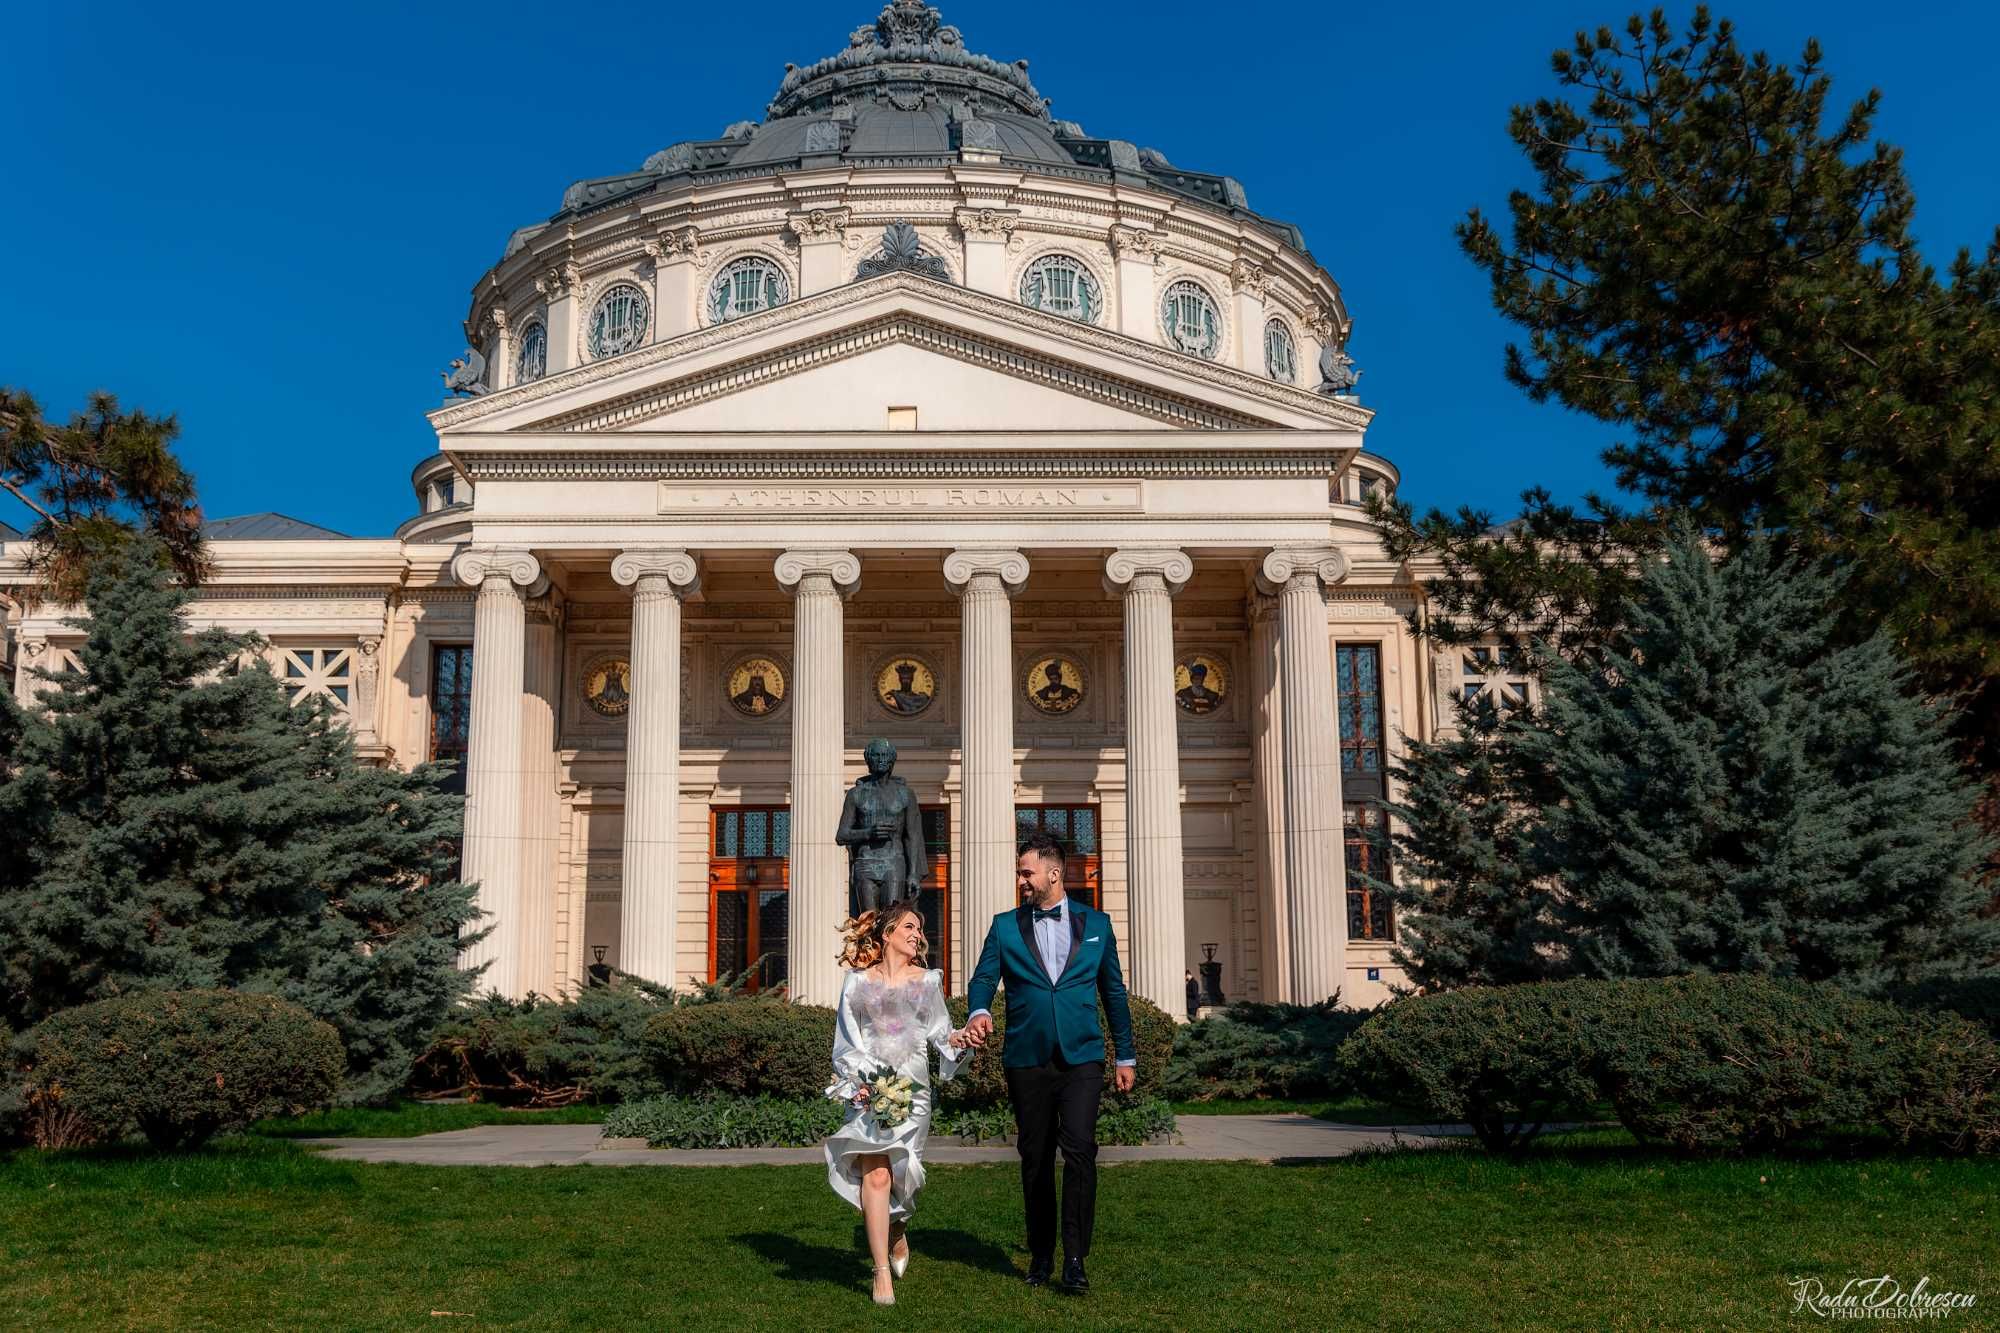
(890, 1299)
(898, 1267)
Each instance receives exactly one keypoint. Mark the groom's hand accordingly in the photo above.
(1124, 1077)
(979, 1029)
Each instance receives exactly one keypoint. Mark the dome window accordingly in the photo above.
(618, 322)
(1190, 320)
(1062, 286)
(531, 358)
(744, 287)
(1281, 356)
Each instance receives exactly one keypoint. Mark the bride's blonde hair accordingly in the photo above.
(861, 936)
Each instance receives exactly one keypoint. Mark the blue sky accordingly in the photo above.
(268, 218)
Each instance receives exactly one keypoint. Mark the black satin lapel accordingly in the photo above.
(1024, 921)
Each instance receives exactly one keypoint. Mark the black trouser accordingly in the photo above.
(1055, 1105)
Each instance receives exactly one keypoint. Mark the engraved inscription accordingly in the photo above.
(996, 497)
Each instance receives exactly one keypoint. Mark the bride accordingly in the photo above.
(891, 1013)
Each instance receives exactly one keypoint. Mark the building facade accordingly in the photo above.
(908, 411)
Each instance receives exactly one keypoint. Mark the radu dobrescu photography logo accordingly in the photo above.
(1880, 1297)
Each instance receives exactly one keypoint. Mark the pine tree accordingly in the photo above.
(1732, 788)
(1717, 262)
(200, 831)
(1739, 790)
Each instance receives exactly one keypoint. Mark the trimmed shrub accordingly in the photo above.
(982, 1081)
(1503, 1059)
(1119, 1121)
(1264, 1050)
(1976, 998)
(540, 1052)
(179, 1066)
(1938, 1085)
(722, 1121)
(746, 1047)
(1703, 1062)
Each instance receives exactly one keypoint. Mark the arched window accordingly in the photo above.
(618, 321)
(1190, 320)
(1062, 286)
(531, 357)
(1281, 356)
(744, 287)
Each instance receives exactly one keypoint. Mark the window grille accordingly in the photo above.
(618, 322)
(1062, 285)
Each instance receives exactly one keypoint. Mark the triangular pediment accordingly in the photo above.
(837, 360)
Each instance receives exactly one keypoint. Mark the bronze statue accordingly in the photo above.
(883, 830)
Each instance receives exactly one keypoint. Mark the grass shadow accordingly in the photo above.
(961, 1247)
(794, 1260)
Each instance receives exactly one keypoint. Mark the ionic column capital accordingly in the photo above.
(842, 567)
(1123, 566)
(1010, 566)
(476, 564)
(646, 568)
(1324, 563)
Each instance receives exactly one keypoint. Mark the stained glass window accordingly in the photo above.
(1370, 914)
(1190, 320)
(1062, 285)
(618, 321)
(451, 706)
(531, 355)
(1281, 356)
(744, 287)
(1358, 698)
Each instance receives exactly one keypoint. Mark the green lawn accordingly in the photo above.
(1587, 1234)
(407, 1119)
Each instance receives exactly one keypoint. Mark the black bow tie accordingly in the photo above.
(1049, 914)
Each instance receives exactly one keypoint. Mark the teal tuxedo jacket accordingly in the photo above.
(1046, 1022)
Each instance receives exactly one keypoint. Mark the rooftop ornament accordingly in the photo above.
(902, 252)
(907, 34)
(467, 375)
(1337, 373)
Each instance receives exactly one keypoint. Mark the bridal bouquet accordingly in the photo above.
(889, 1097)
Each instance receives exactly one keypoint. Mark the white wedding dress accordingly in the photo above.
(893, 1027)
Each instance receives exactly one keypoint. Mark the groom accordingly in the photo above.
(1056, 957)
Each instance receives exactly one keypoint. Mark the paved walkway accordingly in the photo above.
(1203, 1138)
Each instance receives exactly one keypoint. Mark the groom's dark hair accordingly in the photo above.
(1043, 844)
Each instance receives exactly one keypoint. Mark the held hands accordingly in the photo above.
(977, 1030)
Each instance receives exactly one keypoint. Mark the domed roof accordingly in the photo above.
(906, 92)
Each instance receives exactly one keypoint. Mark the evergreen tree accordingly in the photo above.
(202, 832)
(1463, 831)
(1717, 263)
(1732, 788)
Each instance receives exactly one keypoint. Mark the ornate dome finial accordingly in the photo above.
(908, 50)
(908, 23)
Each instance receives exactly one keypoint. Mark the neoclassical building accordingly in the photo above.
(907, 411)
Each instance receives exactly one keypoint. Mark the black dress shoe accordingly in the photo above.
(1039, 1269)
(1074, 1280)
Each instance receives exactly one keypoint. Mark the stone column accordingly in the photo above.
(1153, 867)
(541, 809)
(818, 582)
(493, 851)
(367, 674)
(558, 287)
(822, 234)
(987, 582)
(500, 374)
(1137, 251)
(1267, 764)
(650, 904)
(1315, 859)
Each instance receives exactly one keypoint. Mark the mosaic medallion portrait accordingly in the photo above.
(905, 686)
(1054, 684)
(1201, 682)
(607, 686)
(756, 686)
